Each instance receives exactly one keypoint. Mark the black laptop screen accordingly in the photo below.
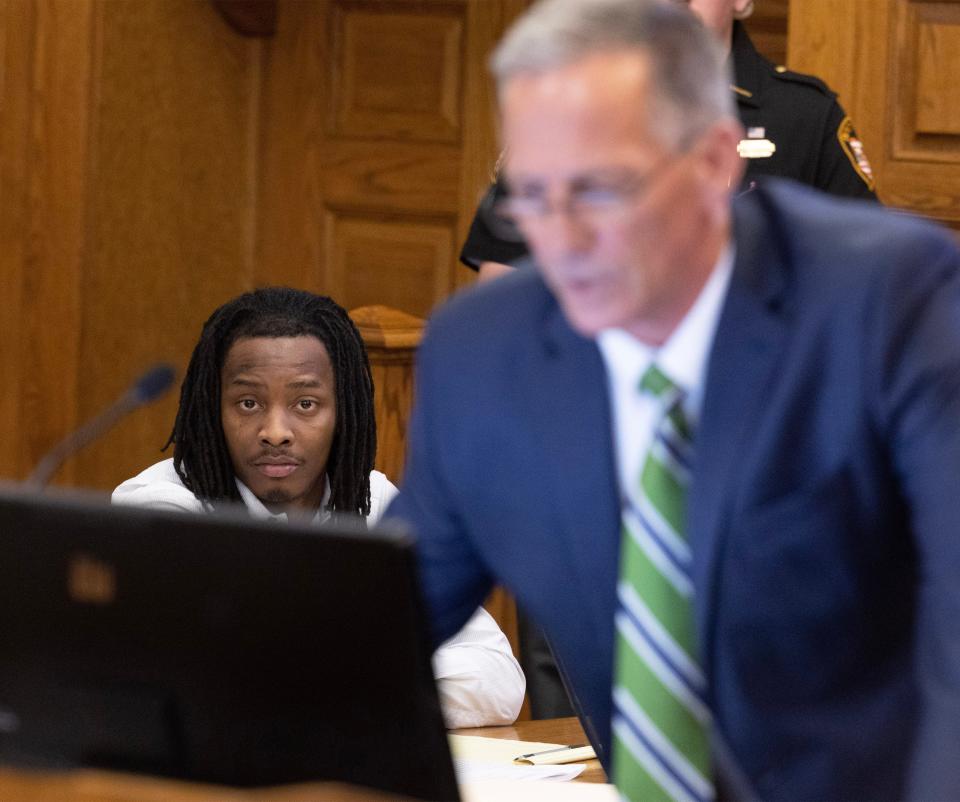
(214, 648)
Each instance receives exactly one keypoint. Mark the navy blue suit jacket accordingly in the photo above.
(824, 513)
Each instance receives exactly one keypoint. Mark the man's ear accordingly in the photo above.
(742, 9)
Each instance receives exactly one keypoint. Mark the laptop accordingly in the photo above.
(214, 648)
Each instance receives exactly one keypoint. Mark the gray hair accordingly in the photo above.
(691, 84)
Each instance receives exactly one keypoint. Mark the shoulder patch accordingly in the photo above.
(853, 147)
(783, 74)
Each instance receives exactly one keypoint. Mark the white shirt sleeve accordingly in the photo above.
(479, 680)
(158, 487)
(382, 492)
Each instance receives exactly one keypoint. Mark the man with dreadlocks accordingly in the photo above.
(276, 414)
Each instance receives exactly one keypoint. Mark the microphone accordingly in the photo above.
(149, 387)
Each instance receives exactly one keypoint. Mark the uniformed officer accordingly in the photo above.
(795, 129)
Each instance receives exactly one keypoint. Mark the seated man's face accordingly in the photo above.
(278, 411)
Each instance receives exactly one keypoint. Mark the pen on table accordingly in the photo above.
(549, 751)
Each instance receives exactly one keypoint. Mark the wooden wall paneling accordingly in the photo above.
(46, 86)
(249, 17)
(487, 21)
(885, 59)
(845, 43)
(395, 100)
(375, 157)
(936, 44)
(60, 142)
(170, 204)
(16, 37)
(768, 28)
(361, 128)
(392, 338)
(378, 113)
(924, 164)
(416, 254)
(155, 163)
(292, 146)
(397, 69)
(390, 177)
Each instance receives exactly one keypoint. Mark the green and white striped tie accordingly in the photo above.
(660, 716)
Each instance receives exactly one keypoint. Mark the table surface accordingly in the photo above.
(564, 731)
(90, 785)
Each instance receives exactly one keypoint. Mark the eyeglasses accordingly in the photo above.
(593, 200)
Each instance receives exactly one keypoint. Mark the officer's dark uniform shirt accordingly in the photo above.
(797, 114)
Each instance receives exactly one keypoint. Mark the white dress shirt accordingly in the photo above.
(682, 358)
(479, 681)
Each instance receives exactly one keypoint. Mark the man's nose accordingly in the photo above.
(275, 429)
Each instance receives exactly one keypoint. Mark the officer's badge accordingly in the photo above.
(853, 147)
(756, 145)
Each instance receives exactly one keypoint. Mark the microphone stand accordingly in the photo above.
(151, 385)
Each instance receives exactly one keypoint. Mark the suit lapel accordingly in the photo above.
(745, 352)
(571, 416)
(570, 410)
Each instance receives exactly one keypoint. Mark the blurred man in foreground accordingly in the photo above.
(710, 445)
(794, 128)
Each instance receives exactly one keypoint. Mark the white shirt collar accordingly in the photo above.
(257, 509)
(683, 357)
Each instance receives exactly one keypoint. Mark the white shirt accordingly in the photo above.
(479, 681)
(682, 358)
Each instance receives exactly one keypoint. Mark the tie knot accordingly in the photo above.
(670, 397)
(655, 382)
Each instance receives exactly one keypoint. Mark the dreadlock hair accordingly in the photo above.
(200, 453)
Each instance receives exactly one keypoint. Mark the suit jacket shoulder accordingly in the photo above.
(824, 500)
(835, 241)
(498, 307)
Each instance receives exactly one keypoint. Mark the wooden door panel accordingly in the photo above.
(924, 82)
(931, 34)
(169, 209)
(370, 200)
(391, 176)
(401, 262)
(395, 88)
(45, 91)
(396, 70)
(894, 63)
(155, 162)
(768, 29)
